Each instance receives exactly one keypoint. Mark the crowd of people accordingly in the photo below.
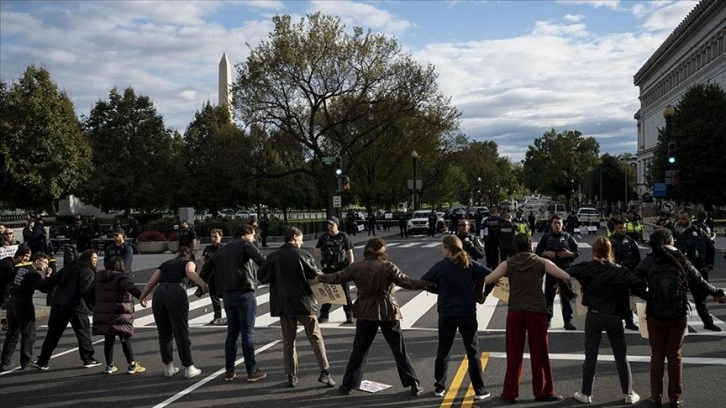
(680, 261)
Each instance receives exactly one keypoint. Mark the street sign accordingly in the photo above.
(327, 159)
(660, 190)
(668, 206)
(419, 184)
(336, 202)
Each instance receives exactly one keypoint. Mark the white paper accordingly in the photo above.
(372, 386)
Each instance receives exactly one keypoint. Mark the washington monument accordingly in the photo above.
(225, 83)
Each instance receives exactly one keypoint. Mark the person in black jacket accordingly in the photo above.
(74, 289)
(288, 270)
(459, 282)
(113, 312)
(627, 253)
(171, 309)
(468, 241)
(236, 283)
(666, 331)
(21, 311)
(605, 291)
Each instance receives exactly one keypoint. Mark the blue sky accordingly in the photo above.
(514, 68)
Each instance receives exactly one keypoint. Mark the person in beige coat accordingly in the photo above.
(376, 307)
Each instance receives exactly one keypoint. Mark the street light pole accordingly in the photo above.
(414, 157)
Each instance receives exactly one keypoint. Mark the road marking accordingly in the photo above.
(415, 308)
(469, 396)
(409, 245)
(435, 244)
(458, 379)
(485, 312)
(211, 377)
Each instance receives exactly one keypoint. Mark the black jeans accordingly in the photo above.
(21, 323)
(468, 327)
(365, 333)
(699, 299)
(550, 291)
(491, 250)
(171, 313)
(110, 340)
(595, 323)
(57, 322)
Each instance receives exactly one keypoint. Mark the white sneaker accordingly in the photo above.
(583, 398)
(632, 398)
(191, 371)
(439, 393)
(170, 370)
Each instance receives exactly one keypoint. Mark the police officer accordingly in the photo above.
(663, 221)
(433, 218)
(571, 222)
(521, 226)
(491, 238)
(561, 248)
(614, 216)
(469, 242)
(506, 237)
(633, 226)
(627, 254)
(693, 242)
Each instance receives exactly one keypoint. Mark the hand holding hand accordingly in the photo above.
(720, 299)
(482, 298)
(143, 302)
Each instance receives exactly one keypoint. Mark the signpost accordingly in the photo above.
(336, 202)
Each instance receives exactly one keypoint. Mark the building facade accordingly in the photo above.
(694, 53)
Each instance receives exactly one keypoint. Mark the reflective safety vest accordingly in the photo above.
(521, 226)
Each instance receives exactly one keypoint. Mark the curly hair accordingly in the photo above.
(375, 248)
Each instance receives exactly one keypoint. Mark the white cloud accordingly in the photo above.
(363, 14)
(574, 18)
(611, 4)
(666, 18)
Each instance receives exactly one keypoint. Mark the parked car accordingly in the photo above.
(588, 216)
(244, 214)
(459, 211)
(419, 222)
(482, 209)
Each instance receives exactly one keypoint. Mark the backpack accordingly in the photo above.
(667, 293)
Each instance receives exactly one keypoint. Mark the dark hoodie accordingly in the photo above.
(113, 312)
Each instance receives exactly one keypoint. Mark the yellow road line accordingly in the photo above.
(450, 395)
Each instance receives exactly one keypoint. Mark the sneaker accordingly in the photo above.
(91, 364)
(653, 402)
(5, 367)
(229, 376)
(508, 400)
(480, 397)
(583, 398)
(256, 376)
(344, 390)
(326, 378)
(110, 369)
(322, 320)
(712, 327)
(41, 366)
(631, 326)
(191, 371)
(439, 392)
(135, 368)
(632, 398)
(292, 381)
(549, 398)
(416, 390)
(170, 370)
(570, 326)
(219, 321)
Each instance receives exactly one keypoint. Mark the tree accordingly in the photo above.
(132, 154)
(557, 163)
(335, 93)
(615, 174)
(699, 131)
(45, 150)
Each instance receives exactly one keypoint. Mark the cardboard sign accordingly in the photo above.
(327, 293)
(640, 309)
(7, 251)
(501, 290)
(581, 309)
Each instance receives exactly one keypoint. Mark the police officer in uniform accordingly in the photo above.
(561, 248)
(506, 237)
(693, 242)
(491, 238)
(521, 226)
(469, 242)
(627, 254)
(433, 218)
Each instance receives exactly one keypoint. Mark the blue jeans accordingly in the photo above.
(241, 309)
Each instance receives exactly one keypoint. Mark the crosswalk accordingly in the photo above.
(436, 242)
(418, 309)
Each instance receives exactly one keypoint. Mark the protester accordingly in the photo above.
(21, 311)
(113, 312)
(376, 307)
(208, 275)
(71, 303)
(288, 270)
(459, 282)
(527, 318)
(171, 309)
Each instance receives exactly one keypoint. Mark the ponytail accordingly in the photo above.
(458, 256)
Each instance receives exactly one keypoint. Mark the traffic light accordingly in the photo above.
(671, 155)
(338, 166)
(343, 183)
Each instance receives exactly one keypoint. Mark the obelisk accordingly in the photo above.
(225, 82)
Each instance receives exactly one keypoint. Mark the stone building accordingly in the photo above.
(694, 53)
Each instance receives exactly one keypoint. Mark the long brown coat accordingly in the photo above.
(375, 280)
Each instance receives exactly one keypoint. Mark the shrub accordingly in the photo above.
(174, 236)
(149, 236)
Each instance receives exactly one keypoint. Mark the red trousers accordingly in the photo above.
(523, 324)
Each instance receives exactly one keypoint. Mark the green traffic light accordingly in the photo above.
(338, 172)
(672, 160)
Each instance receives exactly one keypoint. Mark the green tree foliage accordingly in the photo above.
(132, 154)
(558, 163)
(482, 160)
(335, 93)
(616, 174)
(41, 137)
(699, 131)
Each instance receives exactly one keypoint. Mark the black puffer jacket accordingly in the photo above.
(113, 312)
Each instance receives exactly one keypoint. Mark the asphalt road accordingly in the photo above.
(67, 384)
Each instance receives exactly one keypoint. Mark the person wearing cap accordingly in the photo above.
(120, 248)
(187, 236)
(336, 251)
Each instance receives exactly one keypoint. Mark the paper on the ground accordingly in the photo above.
(372, 386)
